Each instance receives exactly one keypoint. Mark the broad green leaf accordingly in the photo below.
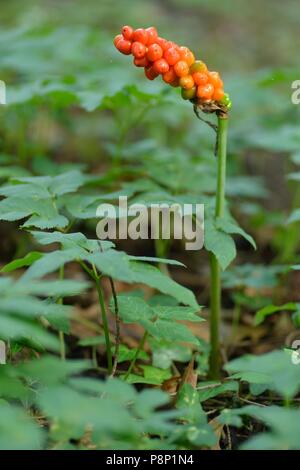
(210, 390)
(219, 243)
(294, 216)
(231, 227)
(153, 277)
(159, 323)
(151, 375)
(255, 276)
(27, 260)
(18, 431)
(275, 369)
(92, 341)
(270, 309)
(50, 370)
(71, 240)
(50, 262)
(283, 427)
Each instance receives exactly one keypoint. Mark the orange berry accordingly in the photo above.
(152, 35)
(205, 92)
(138, 50)
(218, 94)
(144, 62)
(150, 73)
(187, 82)
(127, 32)
(181, 68)
(200, 78)
(163, 43)
(170, 76)
(161, 66)
(187, 55)
(155, 52)
(140, 35)
(215, 79)
(124, 46)
(172, 55)
(117, 39)
(198, 66)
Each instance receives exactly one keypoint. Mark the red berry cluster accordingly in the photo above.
(176, 64)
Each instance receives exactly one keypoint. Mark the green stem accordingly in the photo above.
(215, 294)
(61, 333)
(139, 349)
(105, 325)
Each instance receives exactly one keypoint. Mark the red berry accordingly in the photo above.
(200, 78)
(152, 35)
(205, 92)
(127, 32)
(170, 76)
(181, 68)
(144, 62)
(154, 53)
(151, 73)
(161, 66)
(138, 50)
(163, 43)
(117, 39)
(172, 55)
(140, 35)
(175, 82)
(124, 46)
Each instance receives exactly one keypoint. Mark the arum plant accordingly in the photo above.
(178, 67)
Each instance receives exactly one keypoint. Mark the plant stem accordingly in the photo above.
(62, 345)
(139, 349)
(215, 294)
(61, 333)
(105, 325)
(118, 330)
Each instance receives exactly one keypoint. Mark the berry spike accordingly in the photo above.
(176, 65)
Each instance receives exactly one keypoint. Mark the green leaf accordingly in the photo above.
(71, 240)
(126, 354)
(158, 321)
(50, 370)
(261, 315)
(211, 390)
(92, 341)
(50, 262)
(219, 243)
(283, 427)
(231, 227)
(153, 277)
(275, 369)
(151, 375)
(27, 260)
(177, 313)
(17, 430)
(294, 216)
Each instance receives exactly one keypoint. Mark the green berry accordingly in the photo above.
(198, 66)
(188, 94)
(226, 101)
